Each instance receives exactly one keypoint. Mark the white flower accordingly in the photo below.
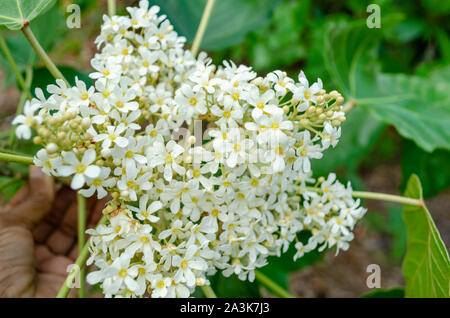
(112, 136)
(99, 184)
(27, 120)
(144, 212)
(83, 169)
(120, 273)
(166, 155)
(186, 265)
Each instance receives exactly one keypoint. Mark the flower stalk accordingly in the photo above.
(274, 287)
(42, 54)
(111, 7)
(379, 196)
(202, 27)
(8, 157)
(8, 55)
(208, 291)
(81, 200)
(80, 261)
(23, 98)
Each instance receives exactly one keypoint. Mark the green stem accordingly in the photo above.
(81, 239)
(81, 260)
(11, 61)
(111, 7)
(274, 287)
(16, 158)
(349, 105)
(208, 291)
(42, 55)
(387, 197)
(23, 98)
(202, 27)
(379, 196)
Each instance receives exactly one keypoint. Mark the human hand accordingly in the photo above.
(38, 237)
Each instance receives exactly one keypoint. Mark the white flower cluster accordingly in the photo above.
(208, 167)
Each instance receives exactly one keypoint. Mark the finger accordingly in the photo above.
(64, 237)
(17, 198)
(65, 197)
(36, 204)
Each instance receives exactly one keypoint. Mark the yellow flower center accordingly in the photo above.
(80, 168)
(237, 147)
(160, 284)
(196, 173)
(235, 96)
(260, 105)
(169, 159)
(145, 239)
(123, 273)
(303, 152)
(307, 95)
(184, 264)
(193, 101)
(129, 154)
(84, 96)
(141, 271)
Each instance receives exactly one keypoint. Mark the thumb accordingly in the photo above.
(27, 210)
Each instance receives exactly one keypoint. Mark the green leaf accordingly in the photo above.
(426, 266)
(418, 107)
(359, 134)
(395, 292)
(14, 14)
(230, 20)
(234, 287)
(432, 168)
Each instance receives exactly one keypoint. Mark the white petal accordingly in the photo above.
(92, 171)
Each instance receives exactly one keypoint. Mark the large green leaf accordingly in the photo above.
(14, 14)
(426, 266)
(230, 20)
(418, 107)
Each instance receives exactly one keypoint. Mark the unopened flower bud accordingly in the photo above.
(51, 148)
